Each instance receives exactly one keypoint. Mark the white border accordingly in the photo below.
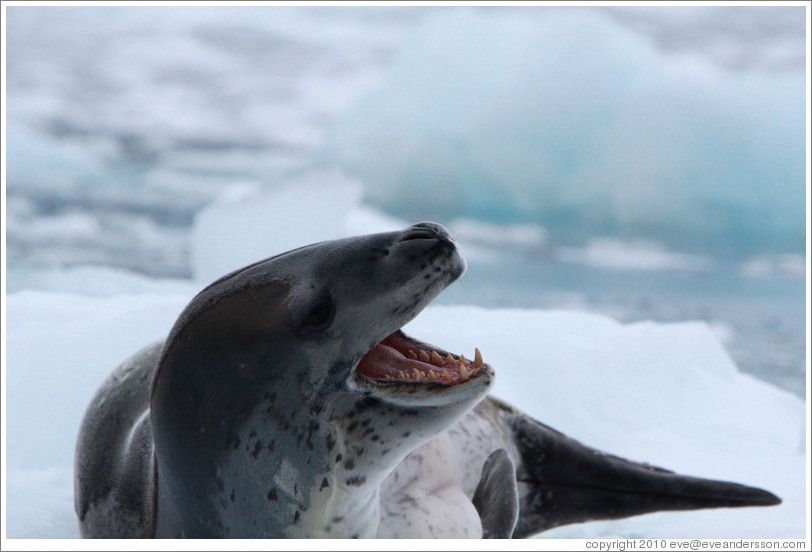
(532, 544)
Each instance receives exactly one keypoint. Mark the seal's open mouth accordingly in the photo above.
(401, 359)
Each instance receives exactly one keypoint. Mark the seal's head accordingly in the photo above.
(286, 389)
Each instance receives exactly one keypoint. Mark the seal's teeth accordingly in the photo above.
(463, 362)
(411, 354)
(450, 359)
(463, 372)
(417, 373)
(401, 375)
(432, 375)
(424, 356)
(477, 360)
(436, 358)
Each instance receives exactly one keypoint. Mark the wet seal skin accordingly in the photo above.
(286, 401)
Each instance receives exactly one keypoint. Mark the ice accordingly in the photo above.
(248, 223)
(60, 348)
(632, 255)
(42, 495)
(663, 393)
(526, 236)
(715, 32)
(128, 113)
(768, 265)
(682, 126)
(572, 121)
(162, 77)
(92, 281)
(38, 158)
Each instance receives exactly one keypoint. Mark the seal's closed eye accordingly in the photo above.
(320, 315)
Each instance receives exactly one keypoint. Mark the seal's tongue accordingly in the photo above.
(396, 359)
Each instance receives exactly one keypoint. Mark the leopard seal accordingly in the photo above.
(287, 402)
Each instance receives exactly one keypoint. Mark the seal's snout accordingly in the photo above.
(426, 231)
(433, 241)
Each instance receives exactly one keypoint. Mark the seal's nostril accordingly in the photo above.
(425, 231)
(419, 234)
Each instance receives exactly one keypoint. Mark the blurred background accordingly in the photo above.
(642, 162)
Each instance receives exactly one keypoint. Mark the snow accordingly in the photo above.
(667, 394)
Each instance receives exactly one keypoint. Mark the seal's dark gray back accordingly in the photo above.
(114, 467)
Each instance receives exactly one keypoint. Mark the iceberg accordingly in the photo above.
(574, 122)
(246, 222)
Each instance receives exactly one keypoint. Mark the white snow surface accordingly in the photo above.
(667, 394)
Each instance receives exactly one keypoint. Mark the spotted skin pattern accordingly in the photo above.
(250, 418)
(262, 415)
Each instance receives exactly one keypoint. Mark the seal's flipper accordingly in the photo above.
(571, 483)
(496, 497)
(115, 485)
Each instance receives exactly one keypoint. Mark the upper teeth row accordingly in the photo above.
(467, 368)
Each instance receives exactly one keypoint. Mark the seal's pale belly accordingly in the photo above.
(424, 496)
